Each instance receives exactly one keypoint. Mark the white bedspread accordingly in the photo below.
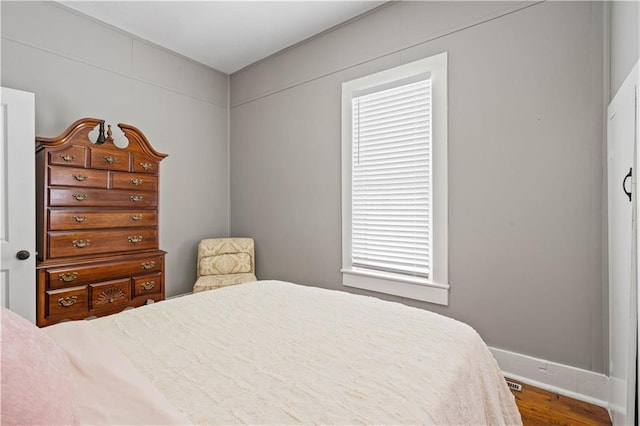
(277, 353)
(107, 388)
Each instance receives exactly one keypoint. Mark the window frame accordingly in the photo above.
(434, 289)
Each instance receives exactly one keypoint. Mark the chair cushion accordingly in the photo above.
(211, 282)
(235, 263)
(215, 246)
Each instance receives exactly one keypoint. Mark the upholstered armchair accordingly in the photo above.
(223, 262)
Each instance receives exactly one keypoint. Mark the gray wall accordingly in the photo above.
(525, 163)
(625, 40)
(78, 67)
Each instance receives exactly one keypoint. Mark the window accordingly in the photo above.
(394, 178)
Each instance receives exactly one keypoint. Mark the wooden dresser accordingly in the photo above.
(97, 223)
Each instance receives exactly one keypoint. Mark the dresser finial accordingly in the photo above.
(100, 139)
(109, 133)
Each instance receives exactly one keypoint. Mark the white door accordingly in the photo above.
(621, 136)
(17, 203)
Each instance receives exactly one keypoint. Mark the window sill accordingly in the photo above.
(397, 285)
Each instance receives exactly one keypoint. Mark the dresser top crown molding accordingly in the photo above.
(78, 132)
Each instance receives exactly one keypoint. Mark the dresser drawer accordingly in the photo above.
(148, 284)
(67, 302)
(109, 294)
(65, 244)
(75, 276)
(143, 164)
(109, 160)
(72, 156)
(67, 176)
(80, 197)
(135, 181)
(65, 220)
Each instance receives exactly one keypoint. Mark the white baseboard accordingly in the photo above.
(559, 378)
(178, 295)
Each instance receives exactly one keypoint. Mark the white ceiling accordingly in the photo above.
(225, 35)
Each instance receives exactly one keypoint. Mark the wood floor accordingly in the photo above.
(539, 407)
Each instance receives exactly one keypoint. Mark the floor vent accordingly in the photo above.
(514, 386)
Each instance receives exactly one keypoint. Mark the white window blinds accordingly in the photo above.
(391, 180)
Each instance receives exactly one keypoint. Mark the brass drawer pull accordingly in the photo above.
(68, 277)
(134, 239)
(110, 159)
(148, 285)
(67, 157)
(65, 302)
(136, 198)
(147, 265)
(79, 219)
(80, 178)
(146, 166)
(79, 197)
(81, 243)
(136, 181)
(136, 217)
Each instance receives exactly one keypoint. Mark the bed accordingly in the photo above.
(268, 352)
